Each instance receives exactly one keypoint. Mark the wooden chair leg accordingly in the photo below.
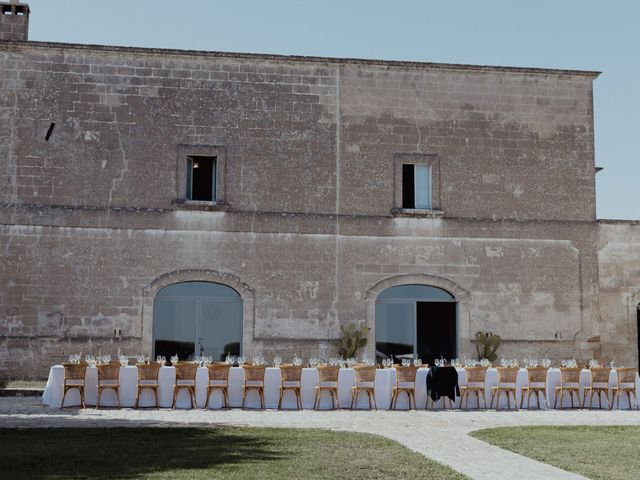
(354, 395)
(316, 400)
(98, 400)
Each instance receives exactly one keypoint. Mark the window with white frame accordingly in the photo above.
(416, 186)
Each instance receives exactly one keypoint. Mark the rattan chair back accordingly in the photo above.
(290, 373)
(254, 373)
(219, 371)
(108, 371)
(537, 374)
(186, 370)
(406, 374)
(365, 373)
(328, 373)
(627, 375)
(600, 374)
(477, 374)
(507, 374)
(74, 371)
(570, 375)
(148, 371)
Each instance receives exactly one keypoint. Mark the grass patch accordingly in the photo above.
(23, 384)
(204, 453)
(609, 452)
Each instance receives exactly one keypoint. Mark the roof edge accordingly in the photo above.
(301, 58)
(615, 221)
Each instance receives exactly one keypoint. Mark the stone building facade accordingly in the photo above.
(308, 223)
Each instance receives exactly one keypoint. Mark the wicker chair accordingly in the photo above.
(74, 374)
(327, 382)
(108, 378)
(537, 386)
(569, 382)
(218, 380)
(253, 380)
(627, 378)
(365, 382)
(476, 383)
(506, 384)
(598, 384)
(405, 383)
(185, 380)
(147, 379)
(291, 379)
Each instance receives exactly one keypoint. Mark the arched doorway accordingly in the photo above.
(197, 318)
(416, 320)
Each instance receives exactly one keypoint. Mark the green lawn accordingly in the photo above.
(596, 452)
(23, 383)
(194, 453)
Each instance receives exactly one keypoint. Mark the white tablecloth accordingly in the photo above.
(129, 376)
(385, 380)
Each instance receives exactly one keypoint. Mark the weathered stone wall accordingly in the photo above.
(510, 144)
(89, 227)
(67, 289)
(619, 272)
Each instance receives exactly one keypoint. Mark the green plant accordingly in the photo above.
(351, 340)
(486, 345)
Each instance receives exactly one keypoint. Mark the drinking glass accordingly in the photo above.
(277, 360)
(240, 361)
(417, 362)
(297, 361)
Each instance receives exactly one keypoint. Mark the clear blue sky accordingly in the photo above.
(575, 34)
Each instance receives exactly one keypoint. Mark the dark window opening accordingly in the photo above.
(201, 178)
(408, 187)
(416, 186)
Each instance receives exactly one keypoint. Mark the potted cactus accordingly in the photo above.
(352, 338)
(486, 345)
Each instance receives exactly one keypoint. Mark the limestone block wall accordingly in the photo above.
(68, 289)
(619, 297)
(329, 131)
(91, 223)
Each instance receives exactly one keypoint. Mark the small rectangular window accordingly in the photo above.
(201, 178)
(416, 186)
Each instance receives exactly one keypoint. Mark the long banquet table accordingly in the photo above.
(384, 382)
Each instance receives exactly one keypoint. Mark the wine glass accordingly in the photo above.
(277, 361)
(417, 362)
(297, 361)
(240, 361)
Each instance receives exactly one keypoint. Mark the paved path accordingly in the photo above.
(441, 436)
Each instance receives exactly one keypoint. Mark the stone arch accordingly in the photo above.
(198, 275)
(461, 295)
(453, 288)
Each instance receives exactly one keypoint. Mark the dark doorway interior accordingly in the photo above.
(436, 330)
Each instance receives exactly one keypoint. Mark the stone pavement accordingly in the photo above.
(440, 435)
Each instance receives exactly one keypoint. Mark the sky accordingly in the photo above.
(568, 34)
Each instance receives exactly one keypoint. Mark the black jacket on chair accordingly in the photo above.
(442, 382)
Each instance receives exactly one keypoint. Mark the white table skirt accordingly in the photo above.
(384, 381)
(129, 377)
